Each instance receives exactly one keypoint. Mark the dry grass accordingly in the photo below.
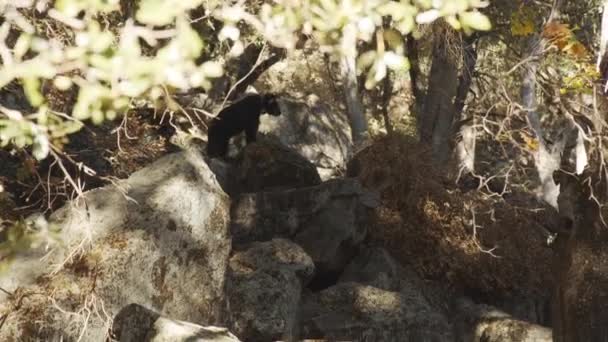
(427, 223)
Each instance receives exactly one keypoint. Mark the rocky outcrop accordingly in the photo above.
(374, 267)
(134, 323)
(159, 238)
(355, 312)
(300, 266)
(329, 220)
(314, 130)
(483, 323)
(314, 120)
(263, 166)
(269, 165)
(264, 215)
(264, 288)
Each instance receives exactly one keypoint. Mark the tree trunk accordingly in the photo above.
(580, 310)
(435, 121)
(354, 107)
(465, 149)
(547, 159)
(387, 92)
(469, 61)
(602, 56)
(417, 90)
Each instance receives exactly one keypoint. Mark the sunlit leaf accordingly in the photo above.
(212, 69)
(522, 22)
(156, 12)
(366, 59)
(31, 86)
(428, 16)
(41, 146)
(395, 61)
(22, 46)
(475, 20)
(62, 83)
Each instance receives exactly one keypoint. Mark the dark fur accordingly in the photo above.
(243, 115)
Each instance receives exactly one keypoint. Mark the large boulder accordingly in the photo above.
(159, 239)
(264, 288)
(270, 165)
(483, 323)
(374, 267)
(315, 130)
(264, 215)
(355, 312)
(263, 166)
(135, 323)
(328, 220)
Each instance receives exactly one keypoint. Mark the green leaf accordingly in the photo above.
(31, 86)
(366, 59)
(41, 146)
(22, 46)
(453, 21)
(62, 83)
(428, 16)
(156, 12)
(475, 20)
(190, 42)
(212, 69)
(395, 61)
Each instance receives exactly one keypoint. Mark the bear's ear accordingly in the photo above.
(271, 104)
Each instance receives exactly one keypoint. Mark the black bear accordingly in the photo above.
(243, 115)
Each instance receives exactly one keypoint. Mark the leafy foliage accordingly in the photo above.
(523, 21)
(578, 72)
(24, 235)
(109, 68)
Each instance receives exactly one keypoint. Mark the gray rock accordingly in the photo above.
(333, 234)
(160, 239)
(530, 307)
(264, 215)
(313, 125)
(135, 323)
(483, 323)
(264, 289)
(328, 220)
(225, 174)
(374, 267)
(355, 312)
(273, 255)
(268, 165)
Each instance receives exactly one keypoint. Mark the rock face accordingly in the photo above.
(134, 323)
(355, 312)
(159, 239)
(264, 215)
(483, 323)
(263, 166)
(328, 220)
(374, 267)
(270, 165)
(314, 130)
(264, 289)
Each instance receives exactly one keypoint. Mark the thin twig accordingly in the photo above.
(257, 63)
(476, 241)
